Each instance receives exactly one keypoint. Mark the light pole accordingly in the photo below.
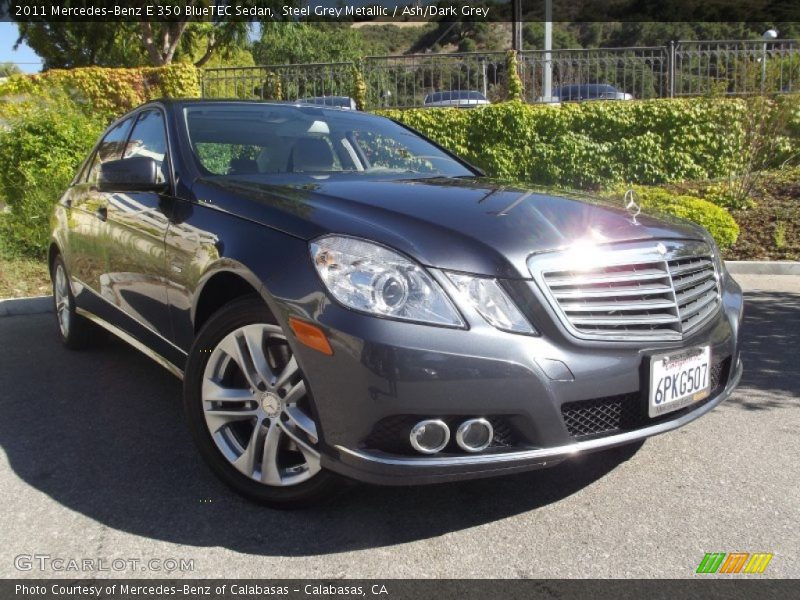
(767, 36)
(516, 25)
(547, 84)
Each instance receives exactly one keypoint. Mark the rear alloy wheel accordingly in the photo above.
(250, 410)
(76, 331)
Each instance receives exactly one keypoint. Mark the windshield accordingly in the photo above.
(273, 141)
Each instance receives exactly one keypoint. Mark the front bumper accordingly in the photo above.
(382, 368)
(393, 470)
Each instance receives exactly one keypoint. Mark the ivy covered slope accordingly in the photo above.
(110, 92)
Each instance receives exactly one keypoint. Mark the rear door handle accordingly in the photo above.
(101, 213)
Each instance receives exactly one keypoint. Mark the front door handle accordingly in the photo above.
(101, 213)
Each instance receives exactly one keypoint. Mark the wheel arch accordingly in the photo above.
(52, 251)
(224, 283)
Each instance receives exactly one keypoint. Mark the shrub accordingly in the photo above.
(41, 147)
(515, 88)
(716, 220)
(359, 88)
(49, 122)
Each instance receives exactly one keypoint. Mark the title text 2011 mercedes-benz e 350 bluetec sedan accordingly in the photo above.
(342, 297)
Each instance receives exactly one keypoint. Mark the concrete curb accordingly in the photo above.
(762, 267)
(15, 307)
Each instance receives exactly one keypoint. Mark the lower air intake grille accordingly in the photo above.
(615, 414)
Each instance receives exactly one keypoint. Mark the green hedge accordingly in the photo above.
(593, 144)
(110, 92)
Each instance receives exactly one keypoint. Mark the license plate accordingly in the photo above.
(679, 379)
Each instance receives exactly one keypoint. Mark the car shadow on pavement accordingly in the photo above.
(771, 333)
(101, 432)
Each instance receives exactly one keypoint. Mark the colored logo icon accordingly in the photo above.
(734, 562)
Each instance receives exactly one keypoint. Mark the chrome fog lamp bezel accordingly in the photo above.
(418, 429)
(462, 431)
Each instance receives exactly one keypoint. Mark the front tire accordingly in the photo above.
(249, 410)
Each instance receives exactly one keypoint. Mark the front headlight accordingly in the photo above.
(373, 279)
(491, 301)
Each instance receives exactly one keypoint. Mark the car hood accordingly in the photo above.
(473, 225)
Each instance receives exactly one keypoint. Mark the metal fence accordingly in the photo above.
(693, 68)
(734, 67)
(283, 82)
(641, 72)
(404, 80)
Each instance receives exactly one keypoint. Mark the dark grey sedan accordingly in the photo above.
(345, 299)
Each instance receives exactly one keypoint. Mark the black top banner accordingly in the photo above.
(766, 11)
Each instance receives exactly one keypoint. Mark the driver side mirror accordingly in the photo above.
(135, 174)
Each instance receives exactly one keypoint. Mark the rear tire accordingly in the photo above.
(249, 410)
(76, 331)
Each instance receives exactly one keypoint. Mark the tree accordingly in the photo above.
(301, 42)
(123, 44)
(219, 33)
(63, 45)
(533, 36)
(486, 36)
(163, 41)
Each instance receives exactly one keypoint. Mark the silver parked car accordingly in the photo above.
(343, 102)
(456, 98)
(589, 91)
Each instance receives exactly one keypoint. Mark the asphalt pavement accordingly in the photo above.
(96, 464)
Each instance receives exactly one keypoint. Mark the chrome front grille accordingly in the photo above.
(654, 290)
(696, 290)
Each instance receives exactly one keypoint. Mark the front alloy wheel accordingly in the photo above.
(250, 410)
(256, 407)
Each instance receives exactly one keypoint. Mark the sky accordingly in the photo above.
(23, 56)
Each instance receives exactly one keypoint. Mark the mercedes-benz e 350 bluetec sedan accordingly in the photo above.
(344, 299)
